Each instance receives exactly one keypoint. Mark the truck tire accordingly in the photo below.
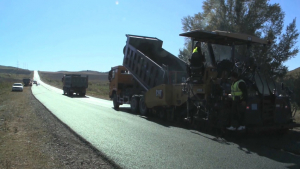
(134, 105)
(70, 93)
(162, 115)
(142, 107)
(115, 101)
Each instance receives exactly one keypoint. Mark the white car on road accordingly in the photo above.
(17, 87)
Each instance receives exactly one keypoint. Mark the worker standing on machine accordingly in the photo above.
(197, 59)
(196, 67)
(239, 99)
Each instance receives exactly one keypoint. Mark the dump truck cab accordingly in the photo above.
(122, 86)
(119, 79)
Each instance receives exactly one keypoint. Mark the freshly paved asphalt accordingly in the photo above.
(132, 141)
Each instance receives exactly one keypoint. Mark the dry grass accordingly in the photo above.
(98, 89)
(18, 141)
(9, 76)
(294, 72)
(98, 82)
(30, 137)
(21, 144)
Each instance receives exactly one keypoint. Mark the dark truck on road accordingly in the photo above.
(74, 83)
(27, 82)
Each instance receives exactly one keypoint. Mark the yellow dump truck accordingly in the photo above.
(150, 79)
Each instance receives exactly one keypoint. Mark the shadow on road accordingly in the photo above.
(124, 109)
(281, 148)
(154, 119)
(76, 96)
(213, 138)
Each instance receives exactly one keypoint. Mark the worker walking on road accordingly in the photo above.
(239, 99)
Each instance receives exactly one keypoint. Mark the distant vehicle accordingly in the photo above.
(27, 82)
(74, 83)
(34, 82)
(17, 87)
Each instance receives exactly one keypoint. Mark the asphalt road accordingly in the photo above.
(132, 141)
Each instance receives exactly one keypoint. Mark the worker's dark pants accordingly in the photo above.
(238, 114)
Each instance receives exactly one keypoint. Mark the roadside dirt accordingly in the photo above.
(31, 137)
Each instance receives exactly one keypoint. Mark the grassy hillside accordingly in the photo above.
(294, 72)
(10, 75)
(292, 81)
(11, 71)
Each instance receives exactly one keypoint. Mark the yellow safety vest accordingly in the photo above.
(195, 50)
(235, 90)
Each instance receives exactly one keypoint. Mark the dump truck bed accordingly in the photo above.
(150, 64)
(75, 81)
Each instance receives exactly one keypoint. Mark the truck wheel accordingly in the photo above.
(162, 114)
(282, 132)
(64, 92)
(134, 105)
(70, 93)
(116, 104)
(170, 115)
(143, 108)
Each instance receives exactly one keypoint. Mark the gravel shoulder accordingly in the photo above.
(31, 137)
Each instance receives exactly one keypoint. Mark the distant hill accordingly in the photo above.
(294, 72)
(6, 67)
(92, 71)
(93, 75)
(13, 70)
(87, 72)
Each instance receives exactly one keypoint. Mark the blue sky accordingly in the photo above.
(90, 35)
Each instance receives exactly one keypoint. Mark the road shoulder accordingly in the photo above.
(31, 137)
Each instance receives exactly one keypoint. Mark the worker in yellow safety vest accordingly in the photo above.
(197, 58)
(239, 99)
